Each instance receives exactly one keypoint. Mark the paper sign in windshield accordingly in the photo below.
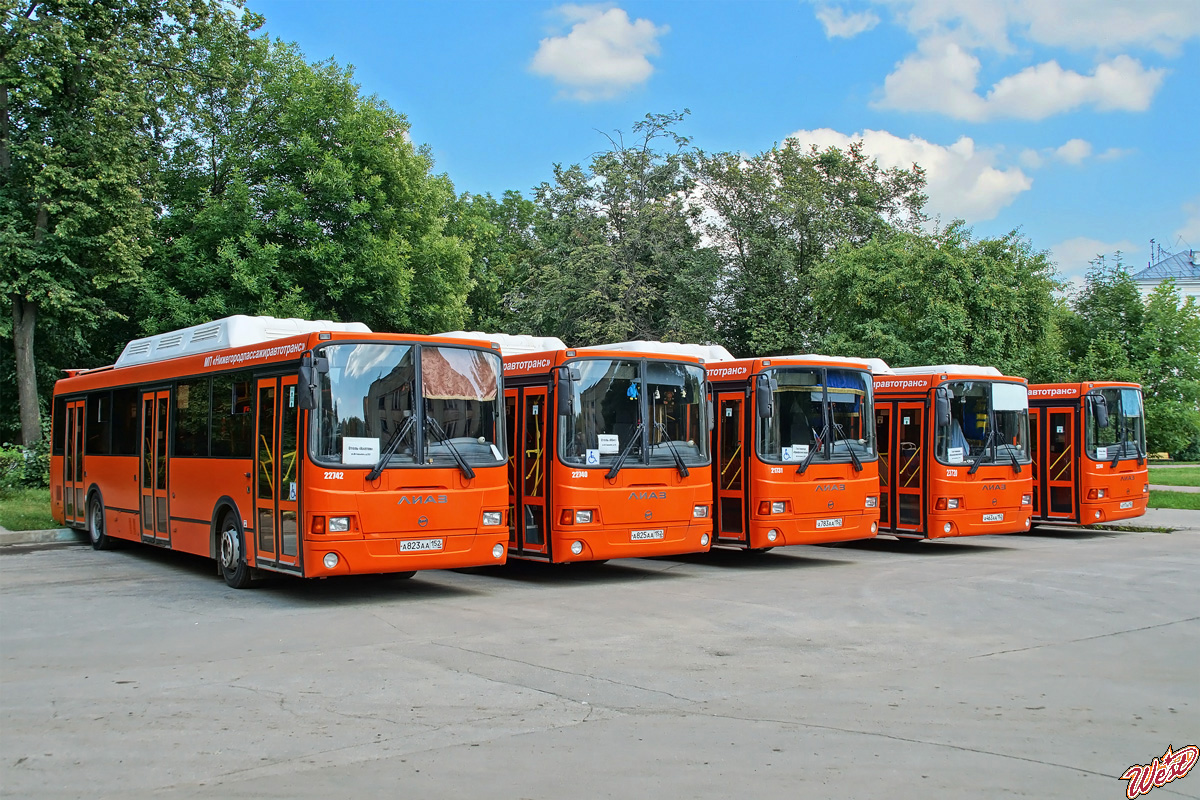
(954, 455)
(797, 452)
(359, 450)
(610, 443)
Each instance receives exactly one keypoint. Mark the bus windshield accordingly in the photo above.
(989, 423)
(370, 404)
(818, 414)
(1125, 435)
(654, 409)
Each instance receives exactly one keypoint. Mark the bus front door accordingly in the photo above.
(1060, 463)
(156, 524)
(277, 484)
(532, 531)
(73, 487)
(730, 482)
(910, 467)
(1035, 456)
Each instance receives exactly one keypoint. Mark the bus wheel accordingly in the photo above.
(402, 576)
(100, 540)
(758, 550)
(233, 554)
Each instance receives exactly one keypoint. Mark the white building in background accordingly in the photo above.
(1184, 267)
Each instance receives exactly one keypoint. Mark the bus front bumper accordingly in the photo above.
(405, 552)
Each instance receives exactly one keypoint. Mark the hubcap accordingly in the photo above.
(229, 548)
(97, 525)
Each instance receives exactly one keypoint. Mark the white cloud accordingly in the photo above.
(942, 77)
(1113, 153)
(603, 55)
(1088, 25)
(962, 181)
(1190, 231)
(839, 24)
(1074, 151)
(1074, 256)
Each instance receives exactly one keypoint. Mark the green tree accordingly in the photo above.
(777, 215)
(618, 254)
(292, 194)
(81, 90)
(914, 298)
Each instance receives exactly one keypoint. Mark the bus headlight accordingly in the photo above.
(493, 518)
(699, 511)
(778, 506)
(873, 501)
(1026, 499)
(1145, 488)
(583, 517)
(576, 547)
(497, 550)
(338, 525)
(330, 560)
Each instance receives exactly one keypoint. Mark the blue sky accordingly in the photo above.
(1072, 120)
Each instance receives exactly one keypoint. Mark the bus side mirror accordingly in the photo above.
(763, 392)
(1100, 409)
(941, 405)
(566, 376)
(306, 387)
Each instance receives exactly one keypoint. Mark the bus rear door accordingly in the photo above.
(533, 526)
(73, 487)
(156, 522)
(277, 480)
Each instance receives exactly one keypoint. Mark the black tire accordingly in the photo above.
(95, 523)
(401, 576)
(231, 552)
(758, 551)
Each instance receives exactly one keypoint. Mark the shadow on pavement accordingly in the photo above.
(956, 546)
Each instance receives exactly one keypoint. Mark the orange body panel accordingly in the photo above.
(404, 504)
(917, 489)
(1071, 486)
(827, 503)
(545, 493)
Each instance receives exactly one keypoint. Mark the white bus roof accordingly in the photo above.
(969, 369)
(512, 344)
(857, 362)
(236, 331)
(705, 352)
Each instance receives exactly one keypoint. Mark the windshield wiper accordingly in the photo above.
(683, 470)
(979, 458)
(431, 422)
(392, 445)
(812, 451)
(841, 434)
(620, 462)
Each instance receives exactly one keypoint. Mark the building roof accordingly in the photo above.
(1185, 264)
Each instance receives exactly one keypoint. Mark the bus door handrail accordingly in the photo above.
(916, 473)
(1061, 455)
(733, 459)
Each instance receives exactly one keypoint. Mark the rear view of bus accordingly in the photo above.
(1089, 444)
(287, 446)
(795, 460)
(954, 451)
(610, 452)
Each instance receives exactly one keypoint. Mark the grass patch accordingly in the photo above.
(26, 510)
(1132, 528)
(1182, 476)
(1186, 501)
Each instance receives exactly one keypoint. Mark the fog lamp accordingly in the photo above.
(330, 560)
(704, 540)
(338, 525)
(576, 547)
(1097, 515)
(874, 527)
(497, 550)
(946, 528)
(772, 535)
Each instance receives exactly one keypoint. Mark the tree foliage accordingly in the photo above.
(776, 216)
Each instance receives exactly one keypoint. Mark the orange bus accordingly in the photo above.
(794, 458)
(608, 450)
(954, 451)
(1089, 452)
(288, 446)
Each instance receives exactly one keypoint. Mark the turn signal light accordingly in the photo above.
(567, 517)
(945, 503)
(1096, 494)
(318, 524)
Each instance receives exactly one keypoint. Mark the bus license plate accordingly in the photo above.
(657, 533)
(836, 522)
(993, 517)
(409, 545)
(1126, 504)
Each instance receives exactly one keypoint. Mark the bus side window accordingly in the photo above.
(57, 446)
(232, 422)
(125, 422)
